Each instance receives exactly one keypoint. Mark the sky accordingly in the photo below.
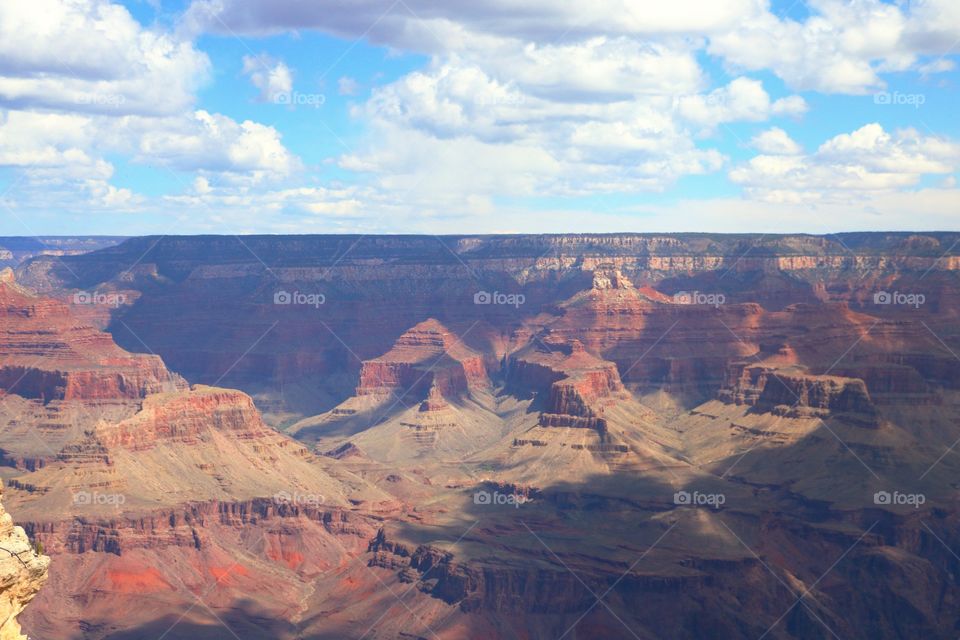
(466, 116)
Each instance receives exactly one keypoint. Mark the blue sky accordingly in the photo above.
(410, 116)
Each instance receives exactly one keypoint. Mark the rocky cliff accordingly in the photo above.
(186, 286)
(47, 354)
(427, 358)
(119, 457)
(794, 393)
(23, 572)
(575, 384)
(550, 433)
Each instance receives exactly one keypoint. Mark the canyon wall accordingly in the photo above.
(565, 402)
(23, 572)
(190, 293)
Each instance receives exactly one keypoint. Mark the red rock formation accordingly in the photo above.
(206, 301)
(655, 340)
(426, 357)
(575, 382)
(796, 394)
(123, 572)
(185, 418)
(189, 285)
(46, 354)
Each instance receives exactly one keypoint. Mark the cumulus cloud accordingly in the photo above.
(843, 47)
(527, 99)
(213, 142)
(775, 142)
(455, 118)
(599, 69)
(272, 77)
(564, 99)
(300, 206)
(82, 81)
(742, 99)
(51, 152)
(94, 57)
(867, 160)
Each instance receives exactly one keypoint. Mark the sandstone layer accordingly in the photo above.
(23, 572)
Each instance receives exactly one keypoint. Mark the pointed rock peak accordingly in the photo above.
(429, 325)
(430, 332)
(429, 339)
(7, 276)
(610, 278)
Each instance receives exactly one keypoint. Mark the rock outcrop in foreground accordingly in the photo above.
(22, 573)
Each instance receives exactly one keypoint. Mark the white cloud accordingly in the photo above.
(50, 151)
(215, 143)
(272, 77)
(92, 56)
(351, 210)
(290, 209)
(82, 81)
(60, 158)
(843, 47)
(840, 47)
(599, 69)
(742, 99)
(455, 125)
(528, 99)
(844, 167)
(775, 141)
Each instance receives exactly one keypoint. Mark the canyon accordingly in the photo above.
(623, 436)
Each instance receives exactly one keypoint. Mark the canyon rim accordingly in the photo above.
(485, 436)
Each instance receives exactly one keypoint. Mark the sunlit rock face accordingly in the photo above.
(22, 574)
